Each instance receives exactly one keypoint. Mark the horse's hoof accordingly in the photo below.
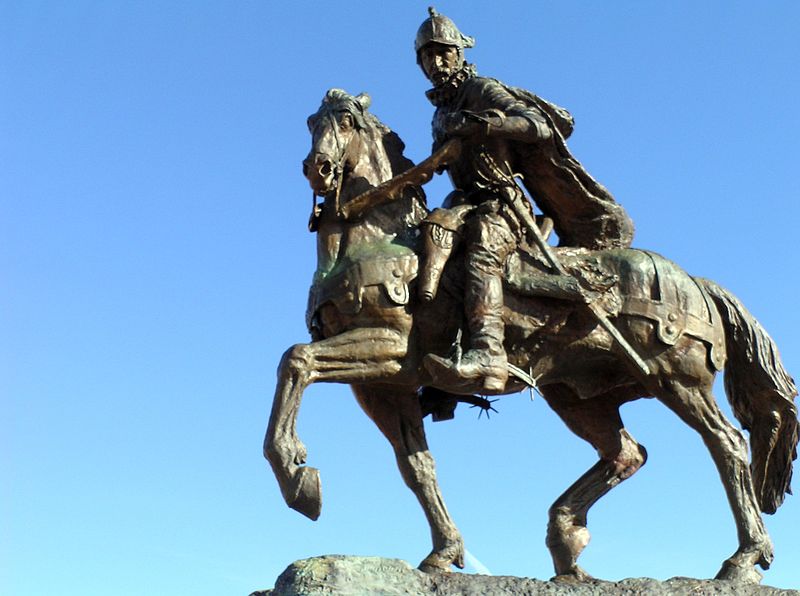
(307, 498)
(439, 560)
(767, 555)
(739, 574)
(427, 567)
(576, 575)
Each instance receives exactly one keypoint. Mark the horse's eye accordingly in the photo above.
(346, 120)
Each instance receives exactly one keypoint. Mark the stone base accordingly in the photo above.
(360, 576)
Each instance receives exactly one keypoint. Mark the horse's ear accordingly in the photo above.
(363, 100)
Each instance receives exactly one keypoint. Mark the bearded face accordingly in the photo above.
(440, 62)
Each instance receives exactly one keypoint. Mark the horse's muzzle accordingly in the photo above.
(320, 172)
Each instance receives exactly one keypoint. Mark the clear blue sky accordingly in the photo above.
(154, 263)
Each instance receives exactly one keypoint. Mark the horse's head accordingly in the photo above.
(336, 140)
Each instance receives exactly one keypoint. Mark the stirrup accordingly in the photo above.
(446, 374)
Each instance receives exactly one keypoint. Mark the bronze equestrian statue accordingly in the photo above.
(628, 324)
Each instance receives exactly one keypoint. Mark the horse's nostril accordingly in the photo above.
(325, 168)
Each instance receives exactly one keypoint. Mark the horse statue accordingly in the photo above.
(371, 331)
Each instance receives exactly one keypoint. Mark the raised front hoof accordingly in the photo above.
(307, 494)
(739, 574)
(439, 560)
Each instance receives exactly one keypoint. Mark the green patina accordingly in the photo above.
(373, 250)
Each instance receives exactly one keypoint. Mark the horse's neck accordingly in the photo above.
(371, 169)
(339, 241)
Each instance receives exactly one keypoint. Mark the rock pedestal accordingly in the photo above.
(361, 576)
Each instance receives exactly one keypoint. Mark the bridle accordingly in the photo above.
(337, 165)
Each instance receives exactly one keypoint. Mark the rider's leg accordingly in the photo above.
(489, 242)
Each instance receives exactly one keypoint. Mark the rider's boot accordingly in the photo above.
(485, 364)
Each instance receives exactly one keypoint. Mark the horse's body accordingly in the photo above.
(372, 334)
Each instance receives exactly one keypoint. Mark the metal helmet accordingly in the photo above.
(437, 28)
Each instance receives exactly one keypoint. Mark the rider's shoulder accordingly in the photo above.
(477, 83)
(494, 90)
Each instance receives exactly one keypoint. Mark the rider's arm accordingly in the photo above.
(503, 116)
(515, 120)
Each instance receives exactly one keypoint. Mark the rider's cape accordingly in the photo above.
(585, 214)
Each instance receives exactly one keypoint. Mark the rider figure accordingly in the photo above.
(522, 135)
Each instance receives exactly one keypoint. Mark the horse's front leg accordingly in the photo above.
(355, 356)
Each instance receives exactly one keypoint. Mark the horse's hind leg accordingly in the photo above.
(351, 357)
(598, 422)
(697, 408)
(399, 417)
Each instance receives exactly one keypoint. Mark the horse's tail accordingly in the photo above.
(761, 394)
